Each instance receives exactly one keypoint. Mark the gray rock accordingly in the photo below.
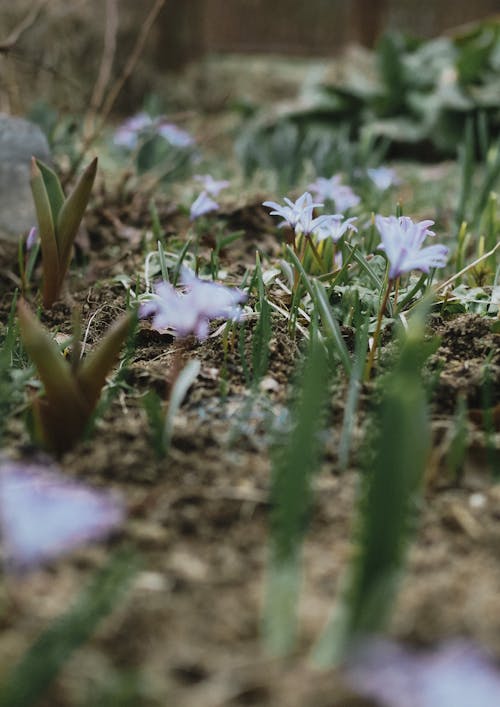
(19, 140)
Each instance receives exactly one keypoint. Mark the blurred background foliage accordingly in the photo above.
(320, 87)
(58, 56)
(412, 96)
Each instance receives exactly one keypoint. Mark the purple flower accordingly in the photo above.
(127, 133)
(32, 238)
(334, 227)
(202, 205)
(210, 185)
(44, 515)
(191, 312)
(297, 214)
(174, 135)
(455, 674)
(332, 190)
(402, 242)
(382, 177)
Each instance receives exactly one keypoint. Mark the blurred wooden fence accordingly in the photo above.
(59, 56)
(304, 27)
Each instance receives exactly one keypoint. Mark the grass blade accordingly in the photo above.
(47, 234)
(91, 375)
(181, 386)
(386, 504)
(330, 324)
(353, 396)
(293, 469)
(71, 214)
(54, 189)
(31, 678)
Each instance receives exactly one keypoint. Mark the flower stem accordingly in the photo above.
(373, 350)
(396, 293)
(317, 256)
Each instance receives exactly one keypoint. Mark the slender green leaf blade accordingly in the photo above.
(291, 492)
(47, 234)
(331, 325)
(386, 506)
(53, 188)
(181, 386)
(71, 214)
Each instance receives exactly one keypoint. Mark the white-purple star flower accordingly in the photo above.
(43, 514)
(128, 133)
(382, 177)
(298, 215)
(202, 205)
(402, 241)
(191, 312)
(332, 190)
(210, 185)
(334, 227)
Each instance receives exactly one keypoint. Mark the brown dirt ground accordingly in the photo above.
(198, 519)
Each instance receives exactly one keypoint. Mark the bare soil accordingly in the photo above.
(189, 626)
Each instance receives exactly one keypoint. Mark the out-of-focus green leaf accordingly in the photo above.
(47, 235)
(71, 214)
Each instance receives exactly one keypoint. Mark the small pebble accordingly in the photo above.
(477, 500)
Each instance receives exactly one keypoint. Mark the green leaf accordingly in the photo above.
(386, 504)
(293, 468)
(61, 415)
(91, 374)
(53, 188)
(331, 326)
(71, 214)
(47, 233)
(184, 381)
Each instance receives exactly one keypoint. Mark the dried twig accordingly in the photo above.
(22, 27)
(106, 66)
(118, 85)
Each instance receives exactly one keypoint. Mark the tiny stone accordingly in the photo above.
(151, 582)
(477, 500)
(268, 384)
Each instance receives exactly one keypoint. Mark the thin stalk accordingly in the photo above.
(373, 350)
(314, 250)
